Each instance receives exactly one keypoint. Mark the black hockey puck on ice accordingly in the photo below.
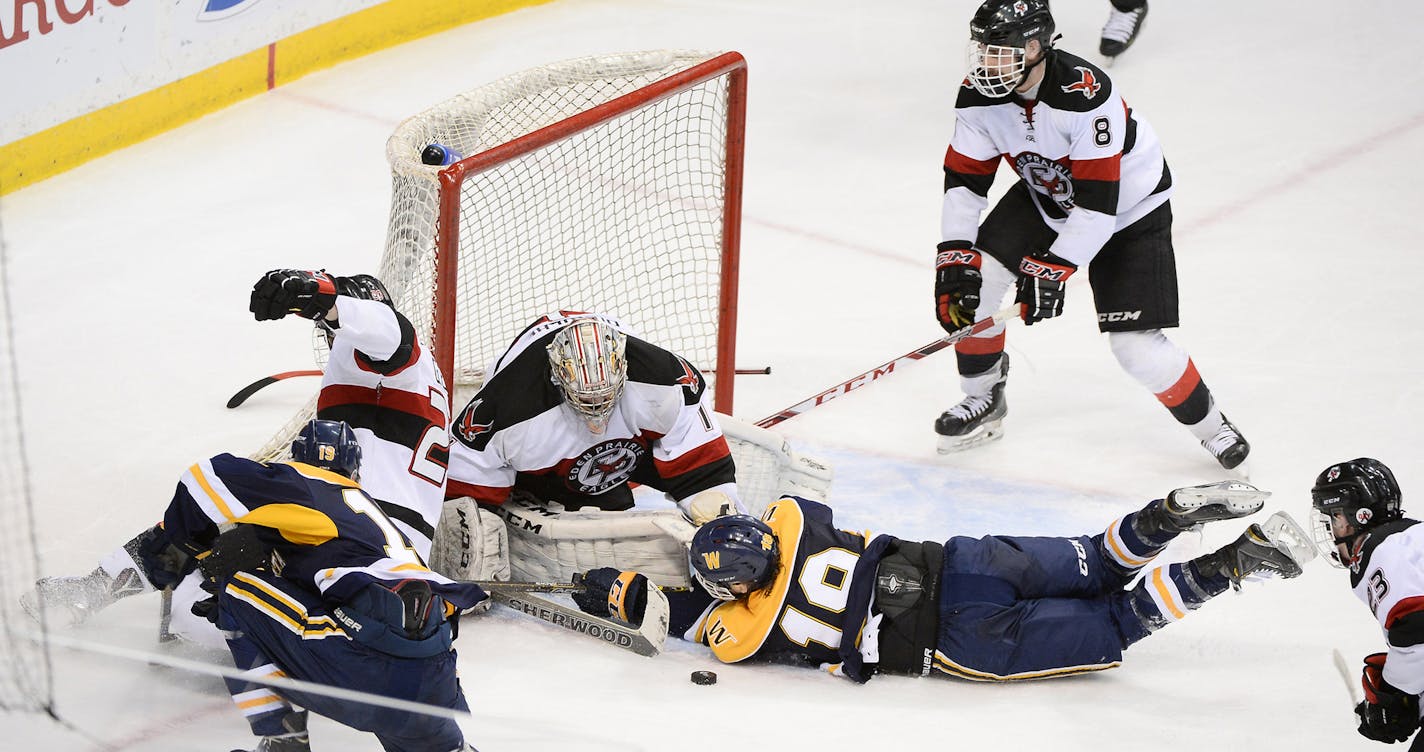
(704, 677)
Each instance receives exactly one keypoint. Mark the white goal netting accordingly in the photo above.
(26, 682)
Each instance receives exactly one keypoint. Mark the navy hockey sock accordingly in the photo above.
(1166, 594)
(1127, 547)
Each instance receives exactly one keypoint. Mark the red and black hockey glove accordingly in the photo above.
(283, 291)
(609, 592)
(1388, 714)
(1041, 282)
(957, 284)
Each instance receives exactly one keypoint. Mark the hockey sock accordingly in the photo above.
(1168, 372)
(978, 360)
(1125, 547)
(1165, 595)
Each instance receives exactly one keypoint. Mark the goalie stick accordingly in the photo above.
(251, 389)
(490, 586)
(885, 369)
(645, 639)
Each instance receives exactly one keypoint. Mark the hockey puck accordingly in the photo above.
(704, 677)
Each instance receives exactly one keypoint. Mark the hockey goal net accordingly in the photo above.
(609, 184)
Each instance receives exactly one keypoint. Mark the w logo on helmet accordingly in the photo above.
(1087, 85)
(713, 559)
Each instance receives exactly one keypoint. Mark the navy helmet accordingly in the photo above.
(330, 445)
(735, 549)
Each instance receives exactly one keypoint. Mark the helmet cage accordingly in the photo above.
(587, 362)
(734, 550)
(995, 70)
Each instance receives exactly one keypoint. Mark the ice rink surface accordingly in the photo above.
(1294, 137)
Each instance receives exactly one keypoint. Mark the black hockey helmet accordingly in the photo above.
(731, 550)
(1012, 23)
(364, 286)
(1364, 490)
(329, 445)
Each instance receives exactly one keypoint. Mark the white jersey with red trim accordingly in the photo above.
(381, 381)
(1094, 166)
(1390, 581)
(517, 431)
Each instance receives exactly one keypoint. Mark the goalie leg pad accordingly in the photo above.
(471, 543)
(548, 544)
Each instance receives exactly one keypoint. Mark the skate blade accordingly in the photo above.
(1286, 534)
(1239, 497)
(982, 435)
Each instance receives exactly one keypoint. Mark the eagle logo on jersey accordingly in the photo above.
(605, 466)
(1087, 85)
(466, 426)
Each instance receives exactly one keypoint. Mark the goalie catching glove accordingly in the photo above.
(1040, 286)
(609, 592)
(957, 284)
(1388, 713)
(282, 291)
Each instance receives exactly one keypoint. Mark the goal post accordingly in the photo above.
(610, 183)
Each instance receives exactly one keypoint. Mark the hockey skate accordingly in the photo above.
(1263, 551)
(75, 599)
(1223, 500)
(295, 740)
(978, 419)
(1228, 446)
(1121, 31)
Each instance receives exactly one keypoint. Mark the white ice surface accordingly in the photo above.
(1293, 130)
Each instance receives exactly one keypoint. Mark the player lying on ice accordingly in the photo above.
(791, 585)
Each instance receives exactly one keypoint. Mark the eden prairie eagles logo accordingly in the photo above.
(1087, 83)
(605, 466)
(1048, 177)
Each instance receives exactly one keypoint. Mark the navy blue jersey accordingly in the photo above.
(326, 532)
(799, 617)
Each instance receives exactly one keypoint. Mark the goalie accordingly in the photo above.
(572, 413)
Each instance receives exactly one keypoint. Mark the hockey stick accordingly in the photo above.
(645, 639)
(491, 586)
(860, 380)
(254, 387)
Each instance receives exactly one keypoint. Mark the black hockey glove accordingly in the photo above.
(283, 291)
(234, 551)
(957, 284)
(609, 592)
(163, 564)
(1041, 282)
(1388, 714)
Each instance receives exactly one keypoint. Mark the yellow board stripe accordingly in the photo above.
(143, 116)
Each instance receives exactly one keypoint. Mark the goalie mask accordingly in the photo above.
(329, 445)
(586, 362)
(736, 550)
(1350, 499)
(999, 34)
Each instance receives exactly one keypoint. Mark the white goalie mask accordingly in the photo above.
(586, 360)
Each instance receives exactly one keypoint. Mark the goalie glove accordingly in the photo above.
(609, 592)
(957, 284)
(282, 291)
(1040, 287)
(1388, 714)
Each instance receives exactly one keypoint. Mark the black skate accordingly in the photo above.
(1121, 30)
(1223, 500)
(1261, 552)
(977, 419)
(295, 740)
(1228, 446)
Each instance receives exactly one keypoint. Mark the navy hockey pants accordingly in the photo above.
(284, 626)
(1027, 607)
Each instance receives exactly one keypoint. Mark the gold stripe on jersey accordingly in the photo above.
(281, 608)
(943, 664)
(218, 497)
(1166, 596)
(736, 630)
(316, 473)
(297, 523)
(1119, 550)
